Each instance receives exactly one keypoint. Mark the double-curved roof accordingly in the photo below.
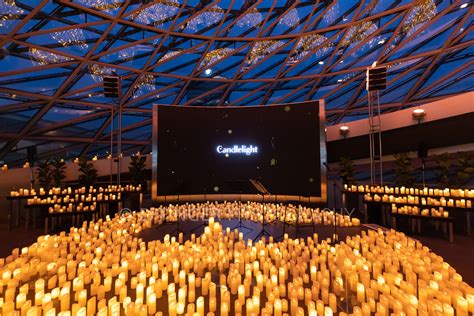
(237, 53)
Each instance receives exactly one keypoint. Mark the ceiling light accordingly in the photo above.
(208, 72)
(463, 6)
(321, 62)
(344, 130)
(418, 114)
(339, 80)
(382, 41)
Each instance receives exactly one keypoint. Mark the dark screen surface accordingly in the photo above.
(282, 149)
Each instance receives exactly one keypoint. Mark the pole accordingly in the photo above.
(119, 142)
(111, 143)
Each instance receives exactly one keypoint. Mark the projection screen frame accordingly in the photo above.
(160, 199)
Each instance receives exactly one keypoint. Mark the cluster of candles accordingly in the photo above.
(104, 268)
(62, 200)
(80, 207)
(76, 198)
(415, 210)
(457, 193)
(81, 190)
(410, 199)
(257, 212)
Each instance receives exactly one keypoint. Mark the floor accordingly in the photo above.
(459, 254)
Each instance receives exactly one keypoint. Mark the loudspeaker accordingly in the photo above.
(422, 150)
(112, 86)
(32, 154)
(376, 78)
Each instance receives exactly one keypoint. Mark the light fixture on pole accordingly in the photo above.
(418, 114)
(344, 130)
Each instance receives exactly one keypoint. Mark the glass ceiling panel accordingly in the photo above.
(249, 52)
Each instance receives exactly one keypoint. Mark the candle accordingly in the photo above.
(461, 306)
(327, 311)
(82, 298)
(200, 306)
(360, 293)
(151, 303)
(277, 307)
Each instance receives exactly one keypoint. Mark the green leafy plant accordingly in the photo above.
(88, 172)
(403, 170)
(137, 169)
(443, 170)
(58, 170)
(43, 174)
(346, 170)
(464, 169)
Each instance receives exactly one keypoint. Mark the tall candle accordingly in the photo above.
(151, 303)
(360, 293)
(200, 306)
(277, 308)
(461, 306)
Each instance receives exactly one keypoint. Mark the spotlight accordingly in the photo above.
(463, 6)
(321, 62)
(208, 72)
(418, 114)
(344, 130)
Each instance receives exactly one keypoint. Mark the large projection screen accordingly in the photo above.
(268, 153)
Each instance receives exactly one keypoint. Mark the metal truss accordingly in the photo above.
(236, 53)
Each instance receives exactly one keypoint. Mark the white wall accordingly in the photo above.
(449, 107)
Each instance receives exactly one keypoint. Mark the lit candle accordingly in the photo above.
(200, 306)
(461, 306)
(360, 293)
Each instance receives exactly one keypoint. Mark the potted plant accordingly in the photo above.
(347, 175)
(346, 171)
(403, 170)
(137, 174)
(464, 169)
(136, 170)
(58, 170)
(43, 174)
(88, 172)
(443, 170)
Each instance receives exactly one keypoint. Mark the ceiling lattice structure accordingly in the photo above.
(237, 53)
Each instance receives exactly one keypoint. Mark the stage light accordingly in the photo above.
(463, 6)
(208, 72)
(344, 130)
(418, 114)
(321, 62)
